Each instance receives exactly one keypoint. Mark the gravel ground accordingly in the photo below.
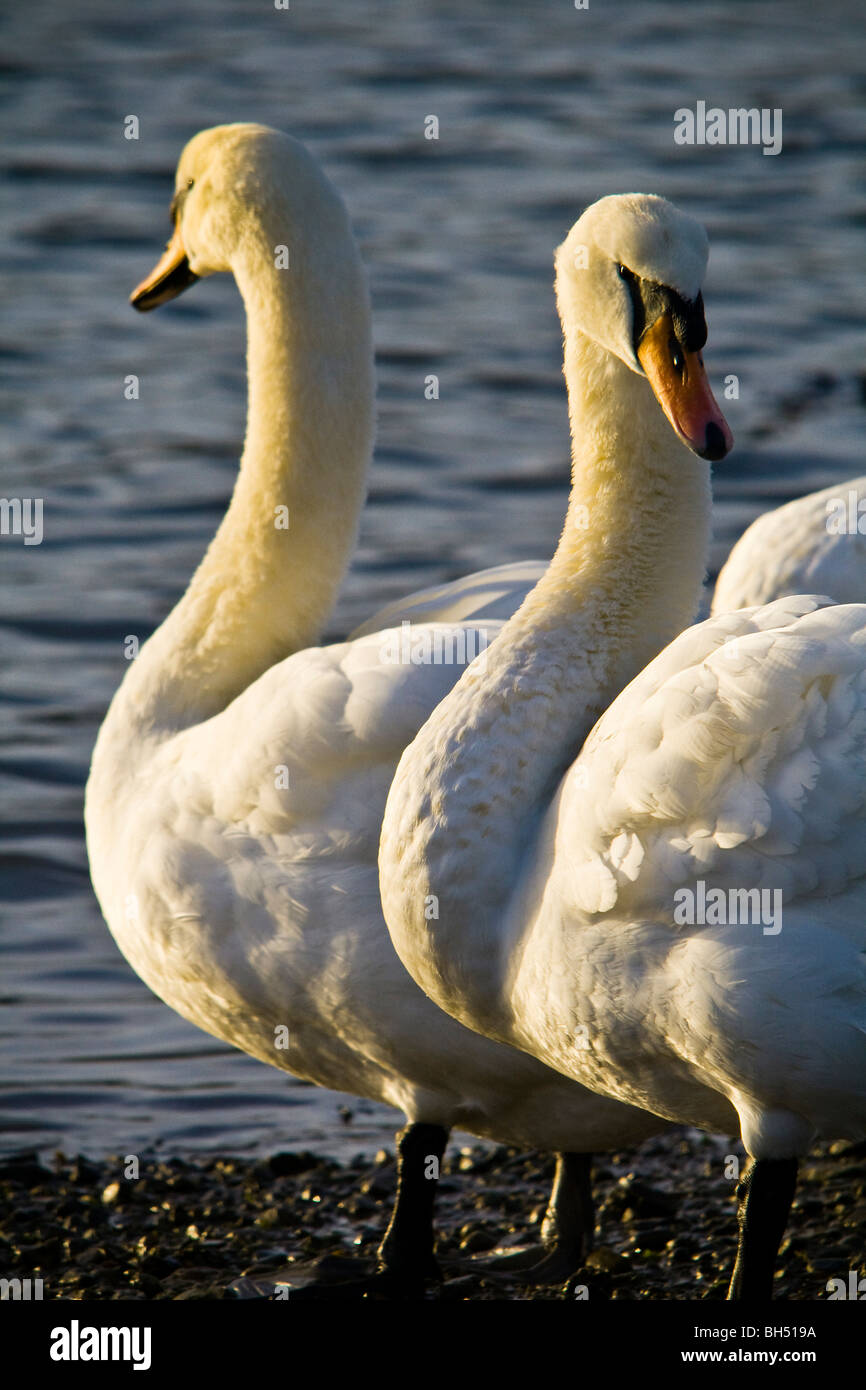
(187, 1228)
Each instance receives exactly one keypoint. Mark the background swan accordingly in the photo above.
(737, 760)
(236, 792)
(490, 595)
(812, 545)
(808, 545)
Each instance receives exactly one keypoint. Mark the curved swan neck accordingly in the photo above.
(631, 559)
(470, 791)
(270, 576)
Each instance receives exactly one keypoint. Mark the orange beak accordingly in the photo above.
(683, 392)
(170, 277)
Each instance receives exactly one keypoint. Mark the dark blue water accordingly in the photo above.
(542, 109)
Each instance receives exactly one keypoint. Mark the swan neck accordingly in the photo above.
(632, 554)
(270, 577)
(469, 795)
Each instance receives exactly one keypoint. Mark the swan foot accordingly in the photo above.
(405, 1264)
(765, 1195)
(508, 1259)
(531, 1264)
(379, 1284)
(332, 1278)
(566, 1232)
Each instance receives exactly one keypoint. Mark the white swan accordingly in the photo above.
(236, 791)
(811, 545)
(490, 595)
(736, 761)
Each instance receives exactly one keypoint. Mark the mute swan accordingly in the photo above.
(814, 544)
(573, 872)
(489, 595)
(236, 791)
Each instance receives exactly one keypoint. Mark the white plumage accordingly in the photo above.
(736, 761)
(812, 545)
(238, 782)
(734, 764)
(490, 595)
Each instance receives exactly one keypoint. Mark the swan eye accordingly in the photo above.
(677, 359)
(621, 271)
(178, 201)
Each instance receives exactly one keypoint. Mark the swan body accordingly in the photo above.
(562, 854)
(812, 545)
(737, 761)
(488, 595)
(258, 907)
(239, 779)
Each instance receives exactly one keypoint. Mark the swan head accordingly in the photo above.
(629, 275)
(228, 178)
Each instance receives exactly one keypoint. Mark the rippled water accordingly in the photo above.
(542, 109)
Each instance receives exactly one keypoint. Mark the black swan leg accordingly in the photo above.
(567, 1229)
(765, 1195)
(405, 1257)
(406, 1252)
(569, 1222)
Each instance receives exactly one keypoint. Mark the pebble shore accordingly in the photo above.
(188, 1228)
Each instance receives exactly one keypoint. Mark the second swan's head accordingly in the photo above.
(240, 189)
(629, 276)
